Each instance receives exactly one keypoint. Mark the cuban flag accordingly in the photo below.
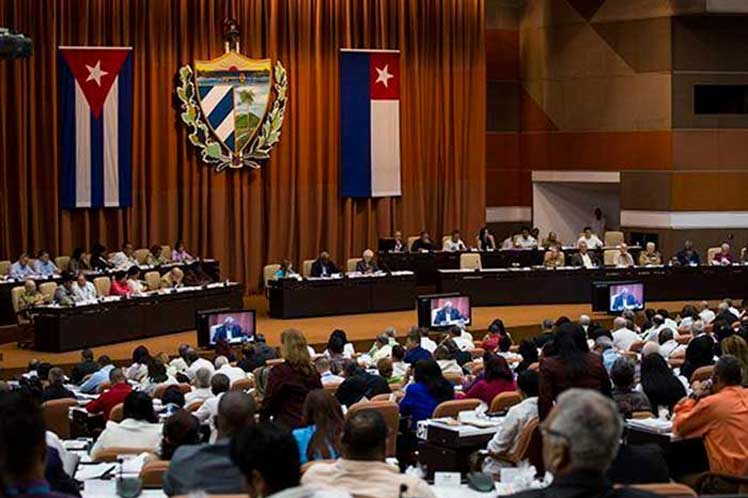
(96, 121)
(370, 123)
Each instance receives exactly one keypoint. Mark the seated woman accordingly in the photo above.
(286, 270)
(516, 419)
(447, 362)
(628, 400)
(485, 240)
(180, 429)
(497, 378)
(138, 369)
(156, 256)
(119, 285)
(137, 287)
(180, 254)
(496, 332)
(660, 384)
(428, 390)
(348, 349)
(156, 376)
(139, 429)
(318, 438)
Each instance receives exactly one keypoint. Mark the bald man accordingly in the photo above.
(208, 467)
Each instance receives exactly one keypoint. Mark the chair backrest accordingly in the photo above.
(637, 346)
(391, 413)
(4, 267)
(184, 387)
(15, 297)
(702, 373)
(141, 255)
(521, 447)
(194, 406)
(612, 239)
(104, 386)
(307, 465)
(534, 366)
(381, 397)
(672, 489)
(642, 414)
(306, 268)
(56, 416)
(242, 385)
(453, 378)
(158, 393)
(453, 407)
(62, 262)
(166, 252)
(609, 257)
(445, 238)
(411, 240)
(111, 454)
(274, 361)
(711, 252)
(470, 261)
(504, 400)
(152, 280)
(332, 388)
(152, 473)
(118, 413)
(351, 264)
(48, 288)
(102, 284)
(268, 272)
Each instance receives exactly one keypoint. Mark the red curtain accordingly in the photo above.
(292, 206)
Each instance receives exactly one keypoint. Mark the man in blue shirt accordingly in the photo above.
(44, 266)
(21, 270)
(99, 377)
(415, 351)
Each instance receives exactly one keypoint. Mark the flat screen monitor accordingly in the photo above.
(615, 297)
(439, 311)
(235, 326)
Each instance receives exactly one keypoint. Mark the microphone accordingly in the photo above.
(403, 490)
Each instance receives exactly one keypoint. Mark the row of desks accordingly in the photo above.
(498, 287)
(8, 316)
(426, 265)
(69, 328)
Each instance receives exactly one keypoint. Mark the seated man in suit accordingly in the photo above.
(454, 243)
(688, 255)
(554, 257)
(624, 300)
(228, 330)
(323, 266)
(584, 257)
(367, 264)
(724, 256)
(581, 437)
(400, 244)
(423, 243)
(448, 315)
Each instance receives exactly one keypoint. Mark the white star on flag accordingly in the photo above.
(384, 75)
(95, 73)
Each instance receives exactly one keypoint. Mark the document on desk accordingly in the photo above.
(95, 471)
(655, 425)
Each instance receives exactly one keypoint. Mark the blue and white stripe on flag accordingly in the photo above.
(96, 127)
(370, 123)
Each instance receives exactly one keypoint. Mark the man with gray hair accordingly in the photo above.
(584, 322)
(697, 328)
(201, 387)
(233, 373)
(581, 437)
(623, 337)
(705, 313)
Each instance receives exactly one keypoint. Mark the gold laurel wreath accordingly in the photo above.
(213, 151)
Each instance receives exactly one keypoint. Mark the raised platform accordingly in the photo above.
(522, 321)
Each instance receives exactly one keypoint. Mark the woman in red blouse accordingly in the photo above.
(119, 285)
(497, 378)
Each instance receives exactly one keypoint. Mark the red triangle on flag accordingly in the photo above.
(95, 70)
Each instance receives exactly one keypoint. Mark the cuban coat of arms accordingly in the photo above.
(228, 105)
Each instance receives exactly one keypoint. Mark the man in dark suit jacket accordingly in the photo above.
(56, 389)
(423, 243)
(581, 258)
(580, 440)
(447, 315)
(323, 266)
(228, 330)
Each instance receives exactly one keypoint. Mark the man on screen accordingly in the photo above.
(624, 300)
(229, 330)
(448, 315)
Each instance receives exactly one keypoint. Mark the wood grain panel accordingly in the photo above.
(502, 151)
(646, 190)
(710, 191)
(502, 54)
(508, 187)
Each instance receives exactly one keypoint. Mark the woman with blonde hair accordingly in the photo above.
(737, 347)
(289, 382)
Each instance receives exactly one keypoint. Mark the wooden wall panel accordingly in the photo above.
(710, 191)
(646, 190)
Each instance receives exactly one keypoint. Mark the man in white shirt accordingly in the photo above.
(322, 364)
(201, 390)
(732, 309)
(454, 243)
(463, 342)
(219, 385)
(705, 313)
(525, 240)
(668, 345)
(124, 259)
(83, 290)
(592, 240)
(362, 470)
(179, 364)
(426, 342)
(623, 258)
(138, 429)
(516, 419)
(196, 363)
(233, 373)
(623, 337)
